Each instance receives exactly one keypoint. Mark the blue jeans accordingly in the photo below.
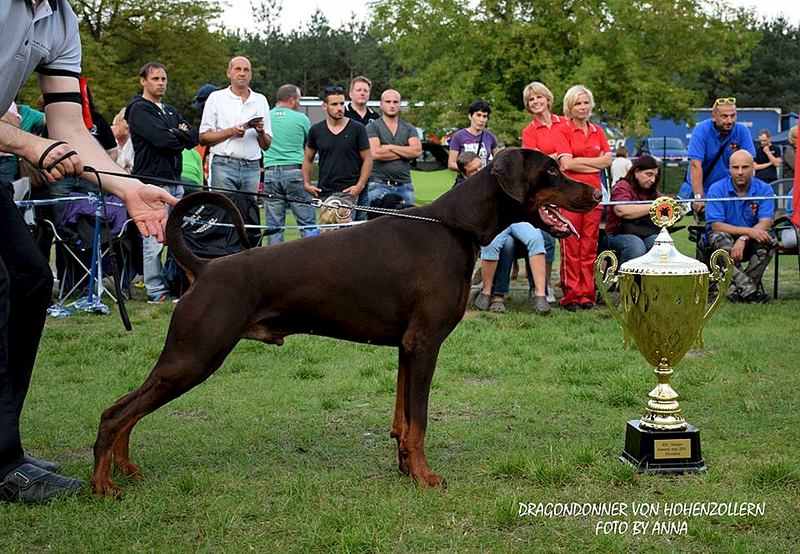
(629, 247)
(379, 189)
(151, 256)
(549, 247)
(234, 174)
(287, 184)
(503, 249)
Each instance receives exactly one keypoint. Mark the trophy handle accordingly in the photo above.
(605, 275)
(721, 267)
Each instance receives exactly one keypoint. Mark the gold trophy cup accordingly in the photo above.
(664, 304)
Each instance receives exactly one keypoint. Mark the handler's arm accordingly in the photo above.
(145, 203)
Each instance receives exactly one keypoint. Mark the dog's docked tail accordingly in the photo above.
(188, 260)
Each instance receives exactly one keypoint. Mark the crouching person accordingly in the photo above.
(742, 227)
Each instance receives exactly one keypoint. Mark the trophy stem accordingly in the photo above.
(663, 413)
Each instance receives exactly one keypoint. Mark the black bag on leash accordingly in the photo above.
(211, 235)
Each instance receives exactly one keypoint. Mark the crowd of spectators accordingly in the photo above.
(243, 145)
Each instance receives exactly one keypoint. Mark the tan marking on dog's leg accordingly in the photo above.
(421, 362)
(399, 423)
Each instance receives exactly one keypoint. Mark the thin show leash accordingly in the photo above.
(342, 209)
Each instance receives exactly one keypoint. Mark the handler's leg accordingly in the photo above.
(25, 286)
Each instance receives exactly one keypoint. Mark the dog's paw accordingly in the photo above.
(430, 480)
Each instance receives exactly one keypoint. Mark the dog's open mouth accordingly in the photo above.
(552, 217)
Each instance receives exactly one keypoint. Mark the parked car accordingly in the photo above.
(671, 150)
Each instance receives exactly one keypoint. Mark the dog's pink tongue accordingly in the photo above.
(560, 222)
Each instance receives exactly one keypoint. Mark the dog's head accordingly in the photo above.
(534, 181)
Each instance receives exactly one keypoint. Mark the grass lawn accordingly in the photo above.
(286, 449)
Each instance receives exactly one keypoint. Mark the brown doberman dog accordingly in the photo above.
(412, 278)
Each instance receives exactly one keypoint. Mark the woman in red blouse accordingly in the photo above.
(589, 155)
(544, 134)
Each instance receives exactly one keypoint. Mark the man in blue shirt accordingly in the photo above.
(742, 227)
(710, 148)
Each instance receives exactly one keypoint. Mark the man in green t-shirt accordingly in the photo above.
(283, 164)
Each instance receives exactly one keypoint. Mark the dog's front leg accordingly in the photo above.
(420, 363)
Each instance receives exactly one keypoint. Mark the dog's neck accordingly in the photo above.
(474, 208)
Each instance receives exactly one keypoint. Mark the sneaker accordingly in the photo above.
(571, 307)
(29, 484)
(549, 296)
(158, 299)
(588, 305)
(46, 465)
(540, 305)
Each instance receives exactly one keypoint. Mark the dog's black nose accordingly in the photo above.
(598, 195)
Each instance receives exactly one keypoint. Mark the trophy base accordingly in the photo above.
(663, 451)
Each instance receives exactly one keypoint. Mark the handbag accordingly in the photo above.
(641, 227)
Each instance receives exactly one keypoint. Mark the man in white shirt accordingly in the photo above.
(236, 126)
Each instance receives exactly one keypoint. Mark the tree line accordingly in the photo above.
(640, 58)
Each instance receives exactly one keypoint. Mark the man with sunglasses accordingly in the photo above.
(742, 227)
(710, 148)
(345, 162)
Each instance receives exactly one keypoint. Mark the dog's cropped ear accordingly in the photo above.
(508, 167)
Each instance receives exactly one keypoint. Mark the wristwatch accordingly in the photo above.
(743, 238)
(697, 196)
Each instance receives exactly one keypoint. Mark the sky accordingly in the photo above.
(295, 13)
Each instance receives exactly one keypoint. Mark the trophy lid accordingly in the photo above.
(664, 258)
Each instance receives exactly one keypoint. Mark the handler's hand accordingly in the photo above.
(147, 207)
(737, 251)
(71, 166)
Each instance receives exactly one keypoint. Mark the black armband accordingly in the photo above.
(41, 70)
(54, 97)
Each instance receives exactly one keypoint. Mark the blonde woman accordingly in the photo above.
(589, 155)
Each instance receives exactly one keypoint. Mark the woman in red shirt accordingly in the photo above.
(544, 134)
(629, 228)
(589, 154)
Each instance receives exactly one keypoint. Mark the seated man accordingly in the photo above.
(742, 228)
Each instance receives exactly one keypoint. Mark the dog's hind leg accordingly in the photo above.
(177, 371)
(399, 423)
(420, 354)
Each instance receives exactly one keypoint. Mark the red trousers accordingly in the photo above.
(578, 256)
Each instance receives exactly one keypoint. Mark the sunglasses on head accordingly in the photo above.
(721, 101)
(333, 90)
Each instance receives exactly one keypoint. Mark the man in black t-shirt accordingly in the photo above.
(767, 158)
(344, 158)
